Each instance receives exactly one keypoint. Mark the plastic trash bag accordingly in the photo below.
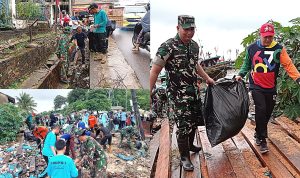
(226, 108)
(26, 147)
(10, 149)
(6, 175)
(126, 158)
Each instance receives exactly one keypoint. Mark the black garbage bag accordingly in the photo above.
(226, 108)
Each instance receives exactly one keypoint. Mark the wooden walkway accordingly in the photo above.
(237, 157)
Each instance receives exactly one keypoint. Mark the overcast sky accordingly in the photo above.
(43, 97)
(221, 24)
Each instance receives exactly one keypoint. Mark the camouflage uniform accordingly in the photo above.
(93, 158)
(180, 62)
(62, 53)
(159, 99)
(130, 133)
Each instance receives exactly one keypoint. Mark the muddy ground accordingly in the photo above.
(20, 162)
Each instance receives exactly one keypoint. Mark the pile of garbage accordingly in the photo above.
(20, 159)
(124, 162)
(23, 159)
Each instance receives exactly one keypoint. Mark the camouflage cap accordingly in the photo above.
(79, 132)
(186, 21)
(67, 29)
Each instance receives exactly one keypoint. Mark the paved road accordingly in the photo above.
(139, 62)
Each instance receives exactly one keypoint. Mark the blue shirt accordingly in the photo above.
(61, 166)
(66, 136)
(75, 18)
(29, 119)
(100, 19)
(88, 133)
(133, 118)
(81, 125)
(104, 118)
(49, 141)
(123, 116)
(86, 118)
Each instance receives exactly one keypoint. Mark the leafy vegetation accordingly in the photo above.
(288, 99)
(28, 10)
(26, 103)
(59, 101)
(10, 122)
(102, 100)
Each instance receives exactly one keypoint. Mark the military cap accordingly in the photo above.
(79, 132)
(186, 21)
(67, 29)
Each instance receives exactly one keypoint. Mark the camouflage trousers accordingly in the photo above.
(64, 69)
(187, 115)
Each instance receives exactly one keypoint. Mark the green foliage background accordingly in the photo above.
(28, 10)
(103, 99)
(288, 99)
(11, 120)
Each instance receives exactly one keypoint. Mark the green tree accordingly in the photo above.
(288, 91)
(121, 97)
(59, 101)
(10, 122)
(26, 102)
(143, 99)
(76, 94)
(28, 10)
(98, 100)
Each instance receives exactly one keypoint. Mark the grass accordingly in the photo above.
(16, 84)
(20, 46)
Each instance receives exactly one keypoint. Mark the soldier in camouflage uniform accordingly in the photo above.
(92, 159)
(130, 133)
(179, 57)
(63, 54)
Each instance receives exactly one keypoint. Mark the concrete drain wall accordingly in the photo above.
(52, 79)
(24, 63)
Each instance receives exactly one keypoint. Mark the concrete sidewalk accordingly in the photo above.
(115, 73)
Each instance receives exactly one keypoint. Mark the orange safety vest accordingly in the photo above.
(40, 132)
(92, 121)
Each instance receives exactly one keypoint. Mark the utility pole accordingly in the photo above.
(137, 113)
(126, 100)
(55, 16)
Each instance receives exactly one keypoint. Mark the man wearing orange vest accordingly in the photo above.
(39, 133)
(92, 121)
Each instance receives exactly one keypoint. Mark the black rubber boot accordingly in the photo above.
(192, 147)
(183, 144)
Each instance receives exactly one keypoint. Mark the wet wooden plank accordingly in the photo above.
(163, 161)
(195, 158)
(175, 164)
(288, 148)
(278, 170)
(203, 163)
(217, 161)
(154, 144)
(290, 126)
(279, 156)
(249, 157)
(239, 165)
